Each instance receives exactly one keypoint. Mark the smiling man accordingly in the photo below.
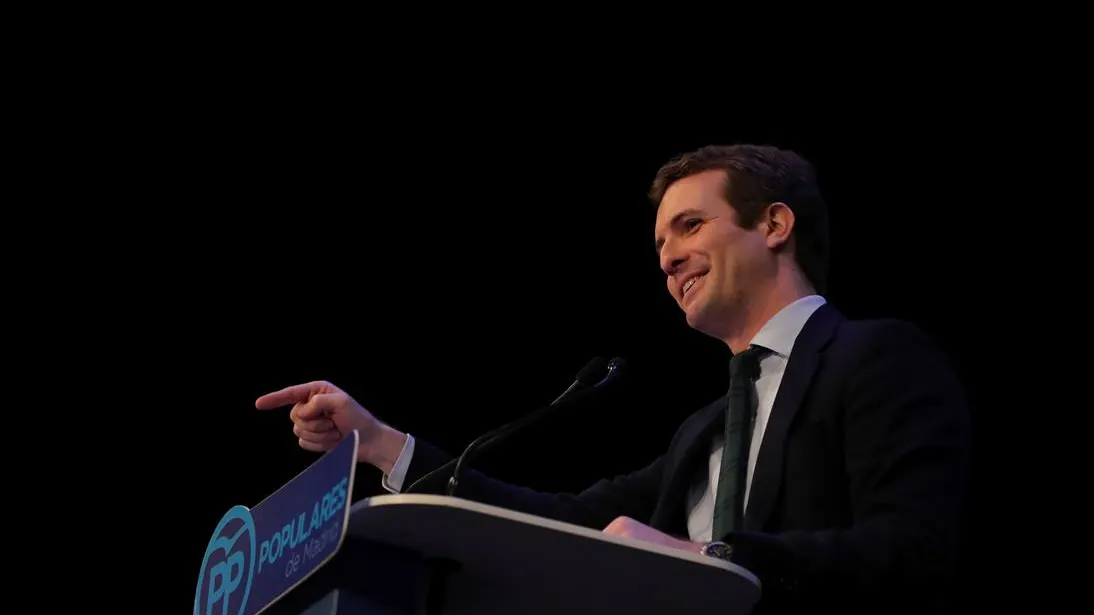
(834, 468)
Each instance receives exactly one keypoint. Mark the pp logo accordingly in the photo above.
(224, 583)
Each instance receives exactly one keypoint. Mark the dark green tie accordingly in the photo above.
(744, 368)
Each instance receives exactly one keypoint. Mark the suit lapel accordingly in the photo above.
(767, 477)
(693, 446)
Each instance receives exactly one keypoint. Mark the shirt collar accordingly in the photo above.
(778, 333)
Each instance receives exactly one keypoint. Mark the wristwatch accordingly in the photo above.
(717, 549)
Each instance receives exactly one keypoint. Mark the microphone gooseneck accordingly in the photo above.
(584, 384)
(614, 367)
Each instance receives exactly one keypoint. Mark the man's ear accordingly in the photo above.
(778, 223)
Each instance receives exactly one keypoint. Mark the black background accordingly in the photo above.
(453, 266)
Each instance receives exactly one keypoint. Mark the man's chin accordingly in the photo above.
(697, 318)
(704, 320)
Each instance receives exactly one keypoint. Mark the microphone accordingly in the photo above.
(582, 387)
(593, 367)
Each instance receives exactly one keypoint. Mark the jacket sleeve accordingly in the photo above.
(633, 494)
(906, 444)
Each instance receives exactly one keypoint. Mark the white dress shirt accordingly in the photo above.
(778, 336)
(393, 482)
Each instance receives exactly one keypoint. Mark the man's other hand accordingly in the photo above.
(625, 526)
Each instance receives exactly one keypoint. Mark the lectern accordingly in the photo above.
(306, 550)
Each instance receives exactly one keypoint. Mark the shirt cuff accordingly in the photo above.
(393, 482)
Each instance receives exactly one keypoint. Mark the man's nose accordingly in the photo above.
(671, 258)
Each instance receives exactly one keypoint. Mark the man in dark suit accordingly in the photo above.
(834, 470)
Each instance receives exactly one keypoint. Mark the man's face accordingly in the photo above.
(712, 264)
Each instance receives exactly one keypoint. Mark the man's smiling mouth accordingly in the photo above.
(689, 284)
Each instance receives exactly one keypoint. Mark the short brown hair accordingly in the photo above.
(756, 176)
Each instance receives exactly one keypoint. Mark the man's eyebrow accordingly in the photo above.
(674, 222)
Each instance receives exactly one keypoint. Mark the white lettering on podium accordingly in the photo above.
(292, 565)
(301, 530)
(316, 547)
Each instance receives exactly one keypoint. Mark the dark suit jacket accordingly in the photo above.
(857, 494)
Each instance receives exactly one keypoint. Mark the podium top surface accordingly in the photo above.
(517, 562)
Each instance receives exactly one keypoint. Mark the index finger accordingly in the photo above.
(296, 394)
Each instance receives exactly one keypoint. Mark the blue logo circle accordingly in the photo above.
(224, 583)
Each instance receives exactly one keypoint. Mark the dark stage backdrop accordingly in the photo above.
(453, 279)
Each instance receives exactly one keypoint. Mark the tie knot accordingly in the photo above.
(747, 363)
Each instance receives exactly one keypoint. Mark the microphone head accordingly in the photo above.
(616, 365)
(592, 371)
